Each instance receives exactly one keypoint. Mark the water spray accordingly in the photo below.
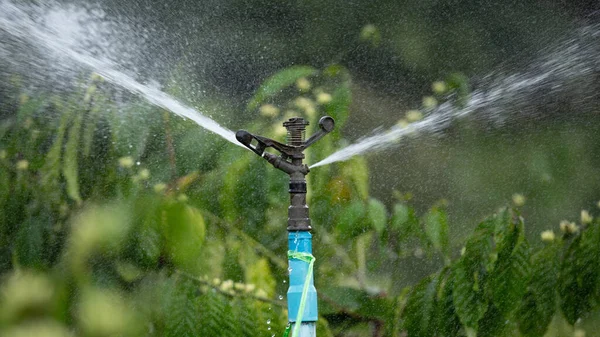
(301, 295)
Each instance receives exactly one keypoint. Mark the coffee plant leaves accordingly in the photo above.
(377, 214)
(71, 162)
(404, 220)
(579, 273)
(351, 220)
(511, 273)
(183, 309)
(494, 324)
(436, 228)
(420, 308)
(50, 171)
(355, 170)
(447, 323)
(277, 82)
(148, 232)
(29, 246)
(470, 273)
(184, 230)
(538, 305)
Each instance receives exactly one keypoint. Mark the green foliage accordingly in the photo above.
(579, 274)
(276, 83)
(107, 227)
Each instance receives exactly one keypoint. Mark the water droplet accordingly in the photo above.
(280, 297)
(137, 163)
(290, 270)
(268, 321)
(269, 328)
(284, 281)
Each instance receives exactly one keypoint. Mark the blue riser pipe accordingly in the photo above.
(301, 241)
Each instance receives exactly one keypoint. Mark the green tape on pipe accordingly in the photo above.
(310, 259)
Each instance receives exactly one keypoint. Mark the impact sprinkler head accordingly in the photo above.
(291, 162)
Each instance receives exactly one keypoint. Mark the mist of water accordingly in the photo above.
(568, 71)
(58, 30)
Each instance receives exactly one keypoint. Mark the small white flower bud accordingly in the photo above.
(568, 227)
(144, 174)
(22, 165)
(402, 123)
(226, 285)
(126, 162)
(269, 110)
(586, 218)
(547, 236)
(323, 98)
(439, 87)
(413, 115)
(303, 84)
(160, 187)
(306, 104)
(518, 199)
(429, 102)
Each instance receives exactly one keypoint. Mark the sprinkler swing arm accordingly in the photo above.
(301, 295)
(295, 127)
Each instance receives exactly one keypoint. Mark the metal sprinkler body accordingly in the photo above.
(290, 161)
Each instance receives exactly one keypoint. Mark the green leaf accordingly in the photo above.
(436, 228)
(420, 308)
(91, 123)
(447, 322)
(494, 324)
(71, 162)
(351, 220)
(260, 275)
(217, 317)
(470, 273)
(511, 274)
(182, 310)
(377, 214)
(184, 231)
(149, 239)
(404, 218)
(50, 171)
(538, 305)
(579, 274)
(355, 170)
(277, 82)
(29, 245)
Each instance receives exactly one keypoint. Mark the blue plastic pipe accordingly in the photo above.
(301, 241)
